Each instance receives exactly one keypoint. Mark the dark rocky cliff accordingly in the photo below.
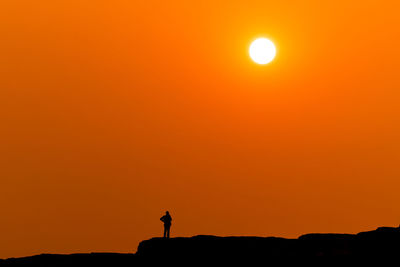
(379, 246)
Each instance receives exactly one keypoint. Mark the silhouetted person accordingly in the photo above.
(166, 219)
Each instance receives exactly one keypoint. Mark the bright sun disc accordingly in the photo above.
(262, 51)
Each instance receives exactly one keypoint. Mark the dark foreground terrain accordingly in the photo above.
(380, 246)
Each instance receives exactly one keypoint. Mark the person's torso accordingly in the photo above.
(167, 220)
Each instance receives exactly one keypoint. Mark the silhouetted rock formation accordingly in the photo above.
(84, 260)
(380, 245)
(383, 243)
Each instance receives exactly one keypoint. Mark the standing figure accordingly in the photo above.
(166, 219)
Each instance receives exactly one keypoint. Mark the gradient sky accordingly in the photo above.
(114, 111)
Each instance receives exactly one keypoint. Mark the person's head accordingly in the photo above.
(167, 212)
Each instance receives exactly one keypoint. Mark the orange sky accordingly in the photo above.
(114, 111)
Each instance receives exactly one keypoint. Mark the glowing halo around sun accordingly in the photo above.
(262, 51)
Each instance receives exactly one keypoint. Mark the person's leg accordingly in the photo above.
(168, 231)
(165, 231)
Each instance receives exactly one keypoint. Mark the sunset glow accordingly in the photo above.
(113, 112)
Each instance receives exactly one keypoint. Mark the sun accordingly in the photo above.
(262, 51)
